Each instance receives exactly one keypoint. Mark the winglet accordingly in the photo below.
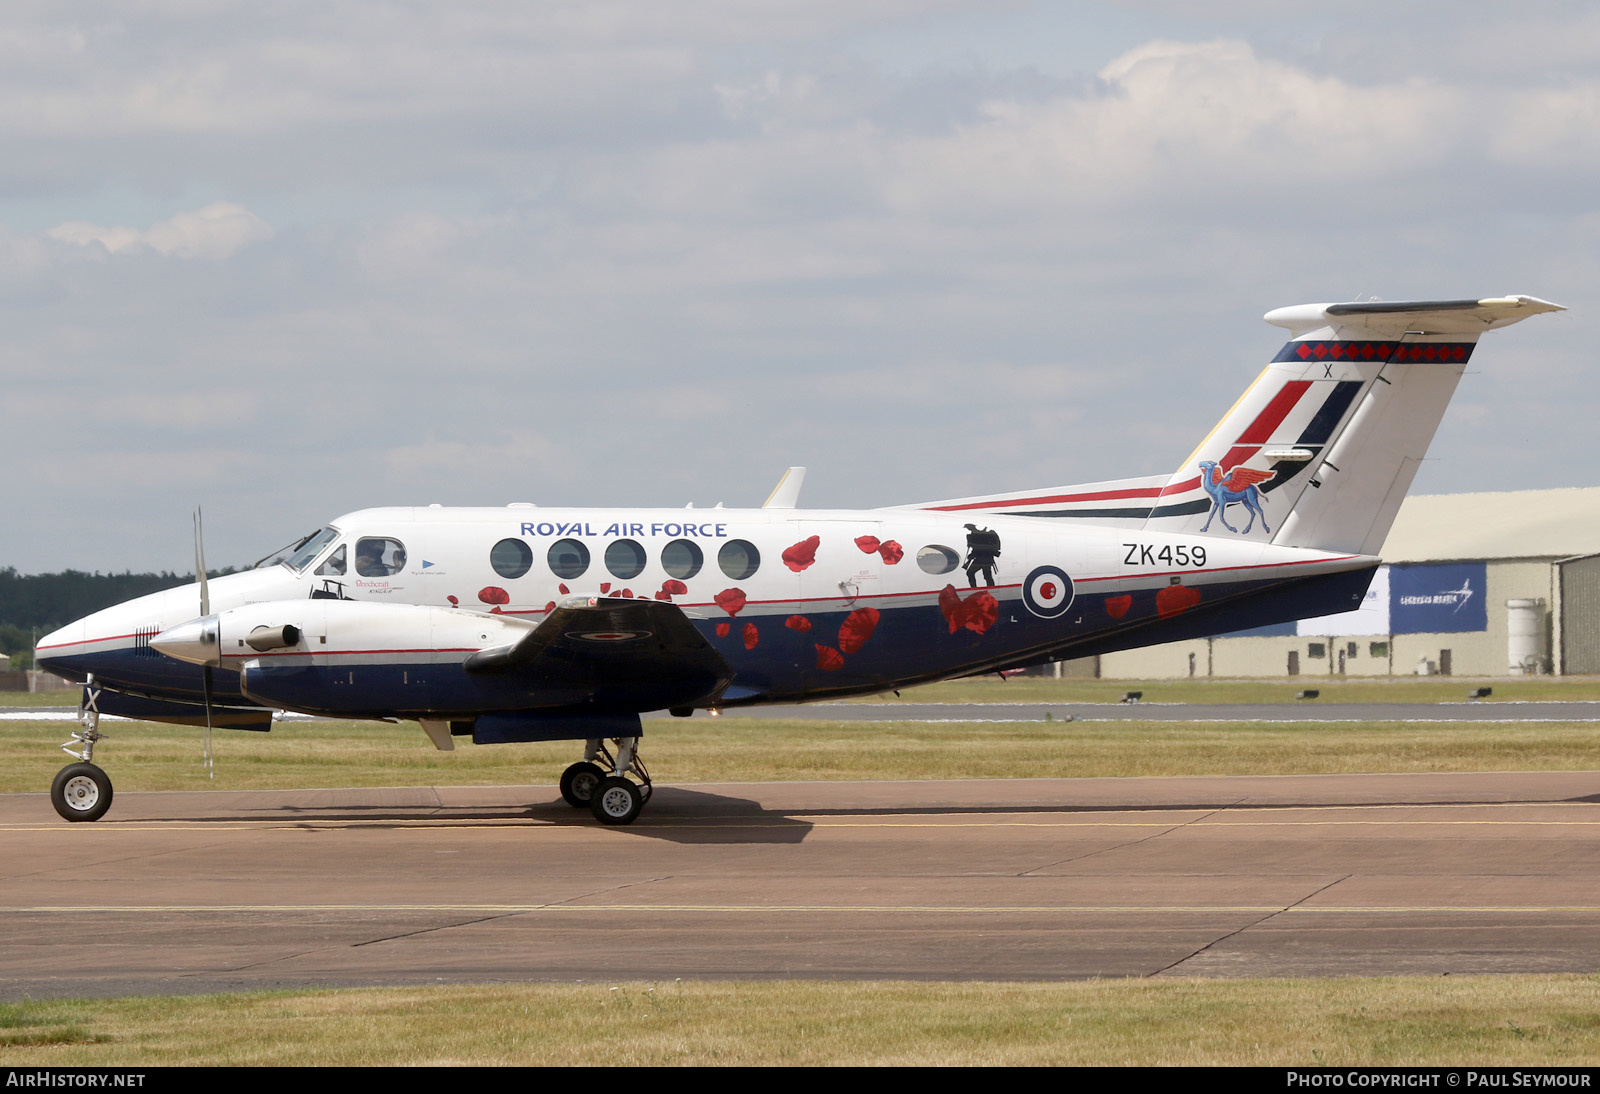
(786, 495)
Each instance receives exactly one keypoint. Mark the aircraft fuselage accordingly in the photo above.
(801, 603)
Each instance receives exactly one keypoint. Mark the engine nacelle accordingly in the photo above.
(346, 656)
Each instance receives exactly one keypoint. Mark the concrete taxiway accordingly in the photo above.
(1229, 876)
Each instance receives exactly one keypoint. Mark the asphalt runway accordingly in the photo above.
(1032, 879)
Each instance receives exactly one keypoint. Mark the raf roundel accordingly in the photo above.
(1047, 592)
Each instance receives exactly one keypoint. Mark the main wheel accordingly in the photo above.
(616, 800)
(81, 792)
(578, 783)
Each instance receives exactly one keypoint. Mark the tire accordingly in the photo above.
(81, 792)
(578, 783)
(616, 800)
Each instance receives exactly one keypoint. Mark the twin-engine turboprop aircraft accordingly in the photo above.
(531, 624)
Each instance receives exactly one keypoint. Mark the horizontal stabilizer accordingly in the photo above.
(1395, 318)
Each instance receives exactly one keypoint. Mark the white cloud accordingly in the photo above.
(214, 232)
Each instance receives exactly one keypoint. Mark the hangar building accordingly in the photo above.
(1491, 584)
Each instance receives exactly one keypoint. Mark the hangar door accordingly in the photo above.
(1580, 616)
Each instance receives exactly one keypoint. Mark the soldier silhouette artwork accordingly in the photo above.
(983, 549)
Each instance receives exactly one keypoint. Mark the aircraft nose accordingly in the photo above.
(59, 644)
(198, 641)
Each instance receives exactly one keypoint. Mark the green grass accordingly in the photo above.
(1032, 689)
(1512, 1020)
(145, 756)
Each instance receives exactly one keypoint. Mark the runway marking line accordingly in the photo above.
(1218, 819)
(808, 909)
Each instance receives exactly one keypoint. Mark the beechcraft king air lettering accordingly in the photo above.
(523, 624)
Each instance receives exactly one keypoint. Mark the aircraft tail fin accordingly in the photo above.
(1321, 449)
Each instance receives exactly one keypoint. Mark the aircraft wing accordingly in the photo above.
(624, 652)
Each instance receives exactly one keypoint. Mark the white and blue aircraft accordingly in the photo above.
(530, 624)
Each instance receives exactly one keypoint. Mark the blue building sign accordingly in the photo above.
(1438, 598)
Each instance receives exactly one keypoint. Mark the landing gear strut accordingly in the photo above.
(600, 781)
(82, 791)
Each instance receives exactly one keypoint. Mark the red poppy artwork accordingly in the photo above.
(1117, 606)
(723, 629)
(802, 554)
(798, 623)
(454, 603)
(563, 588)
(674, 587)
(549, 606)
(605, 586)
(829, 659)
(1176, 598)
(856, 629)
(751, 636)
(730, 600)
(494, 594)
(888, 549)
(976, 613)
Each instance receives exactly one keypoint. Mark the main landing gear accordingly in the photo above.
(82, 791)
(600, 781)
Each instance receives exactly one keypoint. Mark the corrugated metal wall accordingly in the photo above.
(1580, 616)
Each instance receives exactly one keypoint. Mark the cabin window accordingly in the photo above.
(511, 557)
(682, 559)
(624, 558)
(568, 558)
(739, 559)
(379, 556)
(935, 559)
(334, 566)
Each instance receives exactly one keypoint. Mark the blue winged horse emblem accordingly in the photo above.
(1238, 486)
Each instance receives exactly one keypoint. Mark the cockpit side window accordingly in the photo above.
(379, 556)
(333, 566)
(308, 549)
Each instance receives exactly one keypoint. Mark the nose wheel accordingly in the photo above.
(82, 791)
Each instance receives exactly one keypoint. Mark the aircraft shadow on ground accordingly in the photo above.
(676, 815)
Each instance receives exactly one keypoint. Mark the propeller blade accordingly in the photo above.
(205, 610)
(200, 561)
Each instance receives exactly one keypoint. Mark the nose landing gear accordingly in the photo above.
(82, 791)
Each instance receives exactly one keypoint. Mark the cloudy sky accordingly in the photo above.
(289, 260)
